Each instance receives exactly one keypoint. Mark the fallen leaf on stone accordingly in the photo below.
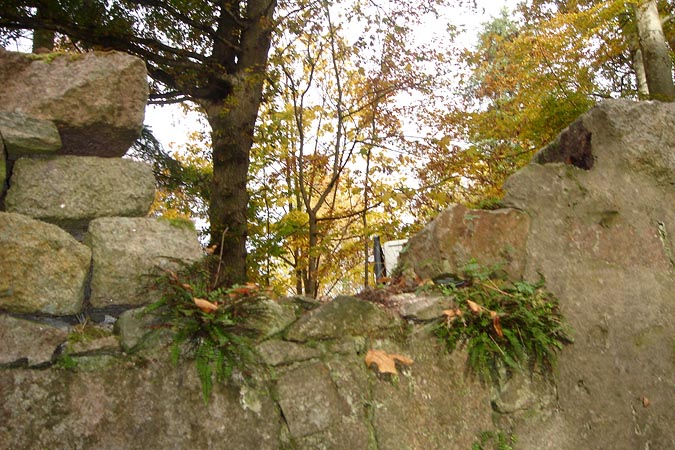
(645, 402)
(425, 282)
(173, 276)
(386, 362)
(205, 305)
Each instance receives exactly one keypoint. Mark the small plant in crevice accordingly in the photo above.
(214, 326)
(503, 325)
(497, 440)
(489, 204)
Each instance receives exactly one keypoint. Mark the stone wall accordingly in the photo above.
(75, 239)
(592, 214)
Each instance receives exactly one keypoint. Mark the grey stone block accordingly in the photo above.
(43, 269)
(70, 191)
(128, 251)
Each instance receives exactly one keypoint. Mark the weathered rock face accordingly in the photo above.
(127, 250)
(97, 100)
(43, 269)
(600, 200)
(318, 395)
(25, 136)
(70, 191)
(344, 316)
(30, 343)
(458, 235)
(3, 175)
(114, 405)
(592, 214)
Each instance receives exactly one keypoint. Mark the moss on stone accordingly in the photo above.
(179, 222)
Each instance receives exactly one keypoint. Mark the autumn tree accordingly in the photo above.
(645, 29)
(333, 138)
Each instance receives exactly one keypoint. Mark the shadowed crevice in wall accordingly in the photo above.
(573, 147)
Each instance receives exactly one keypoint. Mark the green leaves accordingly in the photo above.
(503, 324)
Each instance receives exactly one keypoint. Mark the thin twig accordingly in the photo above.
(493, 286)
(220, 256)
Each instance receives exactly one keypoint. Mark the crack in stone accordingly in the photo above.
(665, 242)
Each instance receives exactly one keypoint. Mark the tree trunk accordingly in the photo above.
(230, 140)
(640, 75)
(232, 123)
(43, 40)
(630, 33)
(364, 221)
(655, 52)
(232, 118)
(312, 281)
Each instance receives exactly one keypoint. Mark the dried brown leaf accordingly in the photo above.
(247, 289)
(474, 307)
(497, 326)
(205, 305)
(386, 362)
(452, 314)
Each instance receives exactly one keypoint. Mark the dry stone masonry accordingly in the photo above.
(96, 100)
(74, 232)
(593, 214)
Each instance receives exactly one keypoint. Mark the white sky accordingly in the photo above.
(171, 126)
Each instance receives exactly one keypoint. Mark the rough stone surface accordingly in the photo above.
(132, 326)
(89, 339)
(127, 251)
(3, 175)
(126, 406)
(97, 100)
(313, 397)
(26, 136)
(142, 333)
(601, 235)
(344, 316)
(274, 318)
(43, 269)
(309, 400)
(23, 342)
(434, 405)
(413, 306)
(277, 352)
(458, 235)
(70, 191)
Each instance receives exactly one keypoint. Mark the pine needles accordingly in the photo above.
(503, 324)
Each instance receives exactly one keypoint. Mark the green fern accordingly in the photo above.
(218, 341)
(518, 325)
